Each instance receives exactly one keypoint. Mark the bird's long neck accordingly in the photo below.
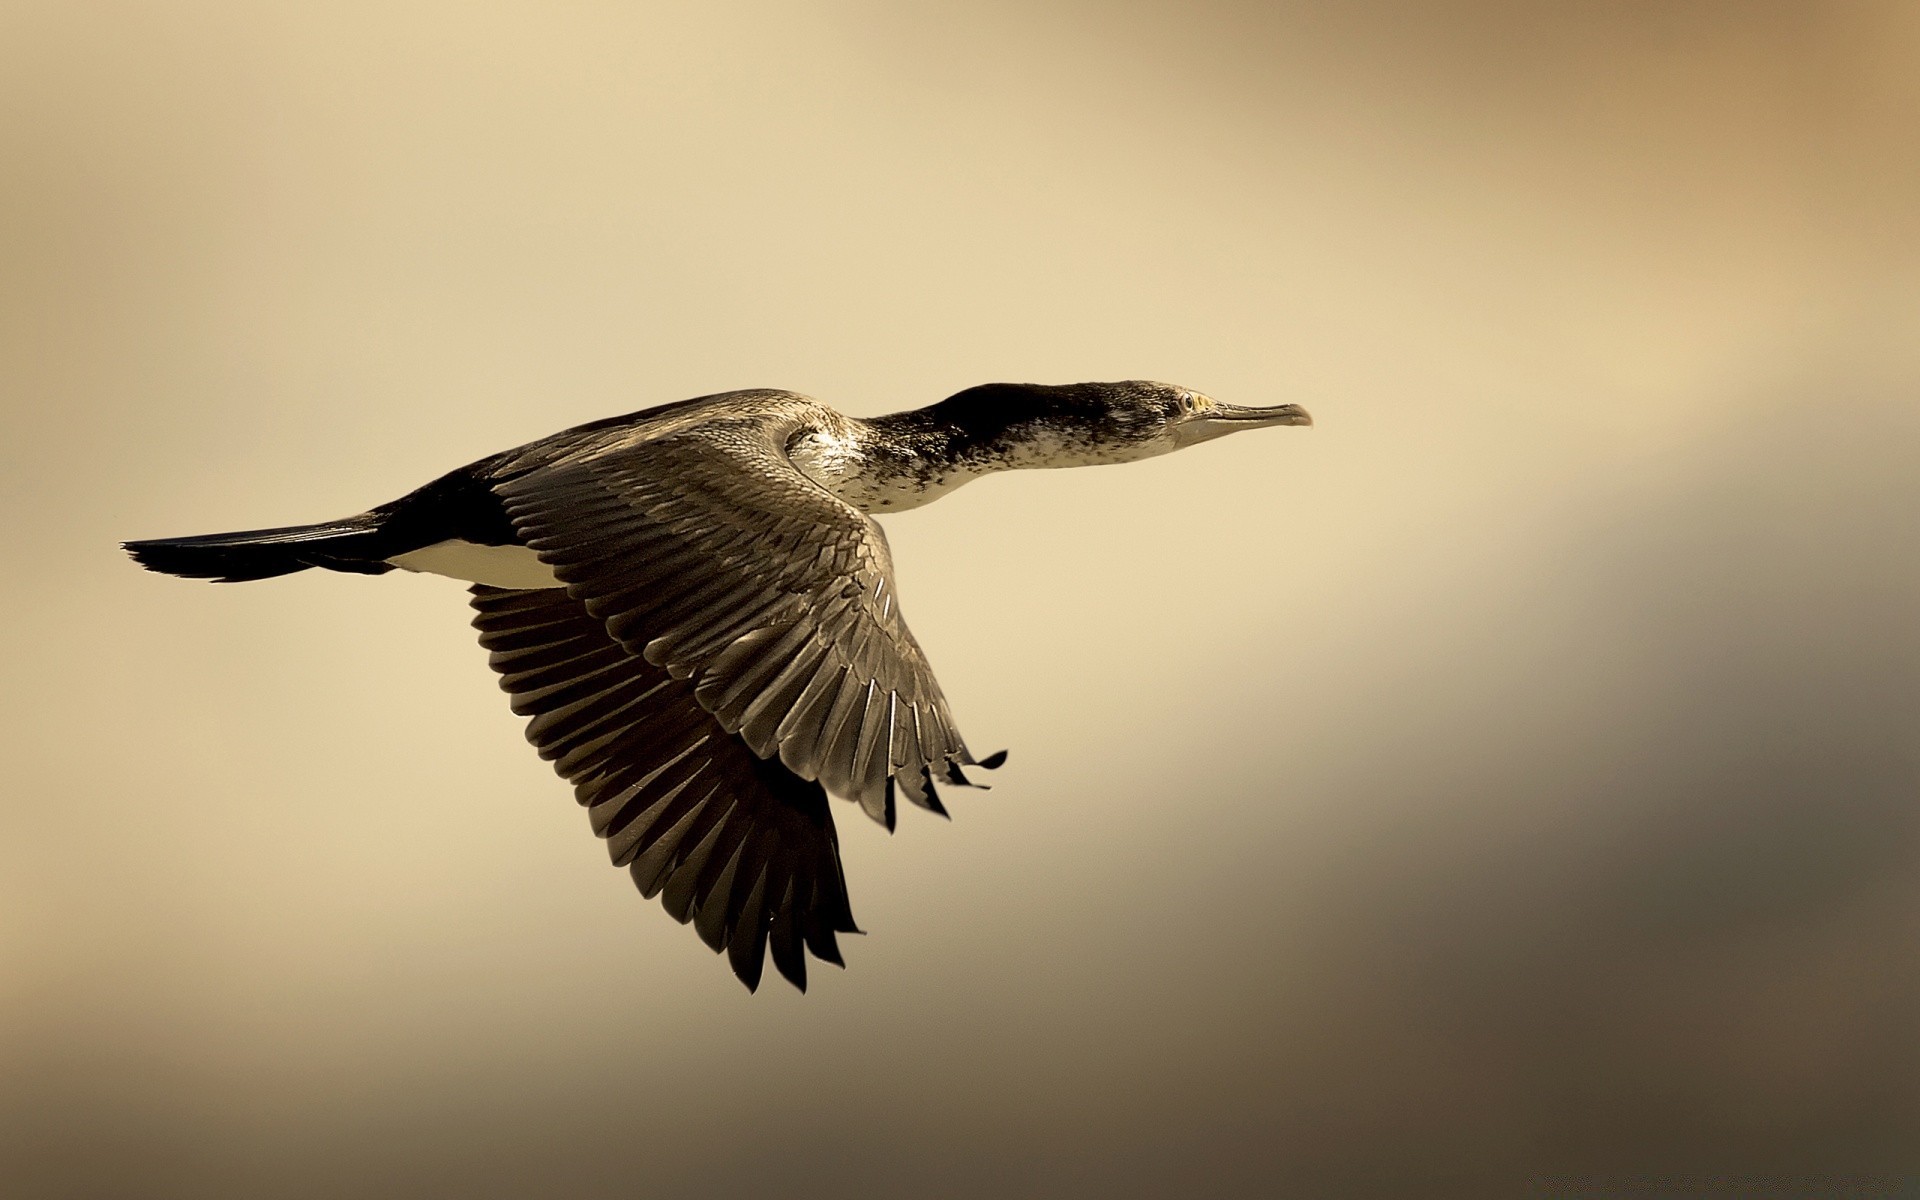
(907, 459)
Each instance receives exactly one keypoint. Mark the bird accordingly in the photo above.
(696, 610)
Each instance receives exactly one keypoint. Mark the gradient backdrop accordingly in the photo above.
(1514, 778)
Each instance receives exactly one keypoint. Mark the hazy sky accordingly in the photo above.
(1514, 777)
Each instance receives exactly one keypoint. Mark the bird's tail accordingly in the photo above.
(352, 544)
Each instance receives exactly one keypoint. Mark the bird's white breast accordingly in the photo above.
(838, 463)
(495, 566)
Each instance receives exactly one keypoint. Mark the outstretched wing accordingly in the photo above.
(739, 845)
(708, 553)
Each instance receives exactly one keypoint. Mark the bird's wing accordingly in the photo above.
(741, 846)
(708, 553)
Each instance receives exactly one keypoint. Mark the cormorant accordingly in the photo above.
(696, 609)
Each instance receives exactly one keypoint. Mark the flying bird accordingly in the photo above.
(696, 609)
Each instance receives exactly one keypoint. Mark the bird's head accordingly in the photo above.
(1084, 423)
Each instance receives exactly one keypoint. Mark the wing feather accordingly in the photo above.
(737, 845)
(705, 551)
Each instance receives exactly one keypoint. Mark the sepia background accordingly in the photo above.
(1511, 783)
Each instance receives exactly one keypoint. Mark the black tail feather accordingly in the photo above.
(353, 544)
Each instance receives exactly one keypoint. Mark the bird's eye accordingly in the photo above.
(1187, 404)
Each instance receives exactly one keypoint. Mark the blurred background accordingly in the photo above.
(1511, 784)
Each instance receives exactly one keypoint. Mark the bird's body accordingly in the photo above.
(695, 608)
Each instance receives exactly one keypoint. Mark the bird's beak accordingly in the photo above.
(1221, 419)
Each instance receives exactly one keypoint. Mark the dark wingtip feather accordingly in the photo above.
(820, 940)
(793, 969)
(788, 949)
(992, 761)
(958, 778)
(929, 797)
(748, 964)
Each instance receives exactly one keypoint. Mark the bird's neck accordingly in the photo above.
(906, 459)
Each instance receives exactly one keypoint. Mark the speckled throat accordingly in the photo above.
(907, 459)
